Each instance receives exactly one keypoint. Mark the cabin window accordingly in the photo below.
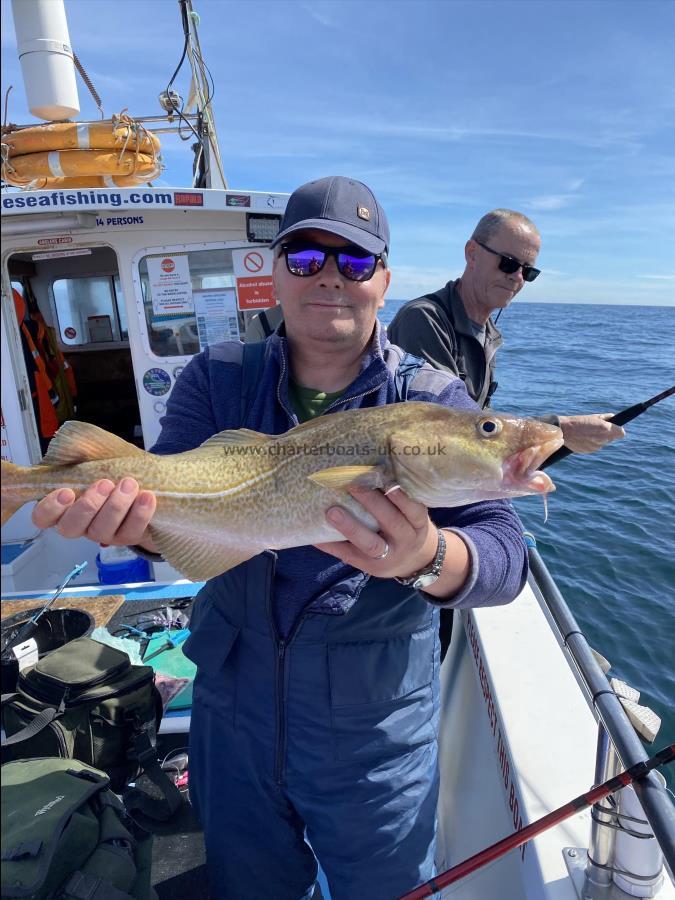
(189, 300)
(89, 310)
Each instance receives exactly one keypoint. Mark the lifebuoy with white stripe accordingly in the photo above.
(74, 136)
(116, 153)
(72, 163)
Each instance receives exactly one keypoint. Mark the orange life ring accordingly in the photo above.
(73, 136)
(24, 170)
(115, 153)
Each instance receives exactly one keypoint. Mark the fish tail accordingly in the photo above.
(19, 486)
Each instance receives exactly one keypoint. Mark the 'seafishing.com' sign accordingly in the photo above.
(21, 202)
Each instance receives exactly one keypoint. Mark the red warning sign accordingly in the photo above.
(168, 265)
(255, 293)
(253, 261)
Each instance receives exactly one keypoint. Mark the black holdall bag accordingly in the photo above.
(86, 701)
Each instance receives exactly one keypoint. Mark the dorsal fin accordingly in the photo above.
(238, 437)
(78, 442)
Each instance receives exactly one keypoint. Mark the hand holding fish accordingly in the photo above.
(586, 434)
(406, 542)
(105, 512)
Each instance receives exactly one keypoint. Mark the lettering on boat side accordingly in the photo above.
(96, 199)
(505, 767)
(84, 199)
(116, 221)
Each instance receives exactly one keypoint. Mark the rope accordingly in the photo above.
(92, 90)
(140, 133)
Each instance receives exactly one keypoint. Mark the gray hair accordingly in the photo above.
(491, 222)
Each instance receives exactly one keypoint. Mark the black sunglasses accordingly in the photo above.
(305, 259)
(509, 264)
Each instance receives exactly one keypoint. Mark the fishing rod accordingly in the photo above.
(626, 415)
(28, 628)
(623, 779)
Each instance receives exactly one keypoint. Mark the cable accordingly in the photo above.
(186, 44)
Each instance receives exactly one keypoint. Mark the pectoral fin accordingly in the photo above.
(340, 478)
(200, 558)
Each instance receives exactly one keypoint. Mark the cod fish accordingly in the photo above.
(242, 492)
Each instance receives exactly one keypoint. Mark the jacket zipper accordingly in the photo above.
(339, 402)
(284, 643)
(282, 646)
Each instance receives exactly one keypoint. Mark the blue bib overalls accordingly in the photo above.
(332, 731)
(327, 736)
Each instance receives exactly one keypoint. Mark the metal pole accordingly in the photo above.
(603, 815)
(653, 797)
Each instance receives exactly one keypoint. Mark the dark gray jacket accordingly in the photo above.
(437, 328)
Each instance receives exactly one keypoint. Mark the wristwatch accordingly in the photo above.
(426, 577)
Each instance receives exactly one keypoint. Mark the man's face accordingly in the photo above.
(328, 307)
(491, 287)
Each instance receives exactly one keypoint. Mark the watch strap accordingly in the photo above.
(434, 568)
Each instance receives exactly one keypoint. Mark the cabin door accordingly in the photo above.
(68, 315)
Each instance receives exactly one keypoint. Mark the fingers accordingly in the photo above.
(370, 543)
(105, 513)
(416, 514)
(50, 509)
(586, 434)
(407, 539)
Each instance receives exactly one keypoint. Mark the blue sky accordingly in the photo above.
(563, 110)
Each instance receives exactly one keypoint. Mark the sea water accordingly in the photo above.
(609, 541)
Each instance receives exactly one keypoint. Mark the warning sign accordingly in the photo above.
(170, 285)
(253, 273)
(253, 261)
(255, 293)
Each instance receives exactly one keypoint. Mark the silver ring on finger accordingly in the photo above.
(385, 552)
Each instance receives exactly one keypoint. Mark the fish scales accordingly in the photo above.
(242, 492)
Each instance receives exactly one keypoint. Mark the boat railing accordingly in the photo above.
(619, 746)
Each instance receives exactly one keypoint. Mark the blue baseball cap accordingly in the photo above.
(340, 206)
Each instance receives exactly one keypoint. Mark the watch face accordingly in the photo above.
(425, 581)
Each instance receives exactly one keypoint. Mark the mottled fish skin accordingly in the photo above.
(241, 492)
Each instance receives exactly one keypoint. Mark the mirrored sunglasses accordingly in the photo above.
(305, 259)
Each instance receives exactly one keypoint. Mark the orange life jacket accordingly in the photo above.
(48, 346)
(45, 397)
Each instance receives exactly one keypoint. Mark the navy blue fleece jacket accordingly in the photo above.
(207, 399)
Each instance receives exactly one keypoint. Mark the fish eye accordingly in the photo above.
(489, 427)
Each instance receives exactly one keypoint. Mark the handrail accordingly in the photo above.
(658, 809)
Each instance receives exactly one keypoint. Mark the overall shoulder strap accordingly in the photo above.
(252, 361)
(406, 370)
(265, 323)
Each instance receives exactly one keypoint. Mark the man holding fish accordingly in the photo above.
(316, 702)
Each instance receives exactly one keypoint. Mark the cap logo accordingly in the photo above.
(363, 213)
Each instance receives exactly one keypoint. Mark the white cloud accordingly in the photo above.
(550, 201)
(659, 277)
(318, 12)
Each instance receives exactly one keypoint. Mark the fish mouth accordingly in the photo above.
(521, 470)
